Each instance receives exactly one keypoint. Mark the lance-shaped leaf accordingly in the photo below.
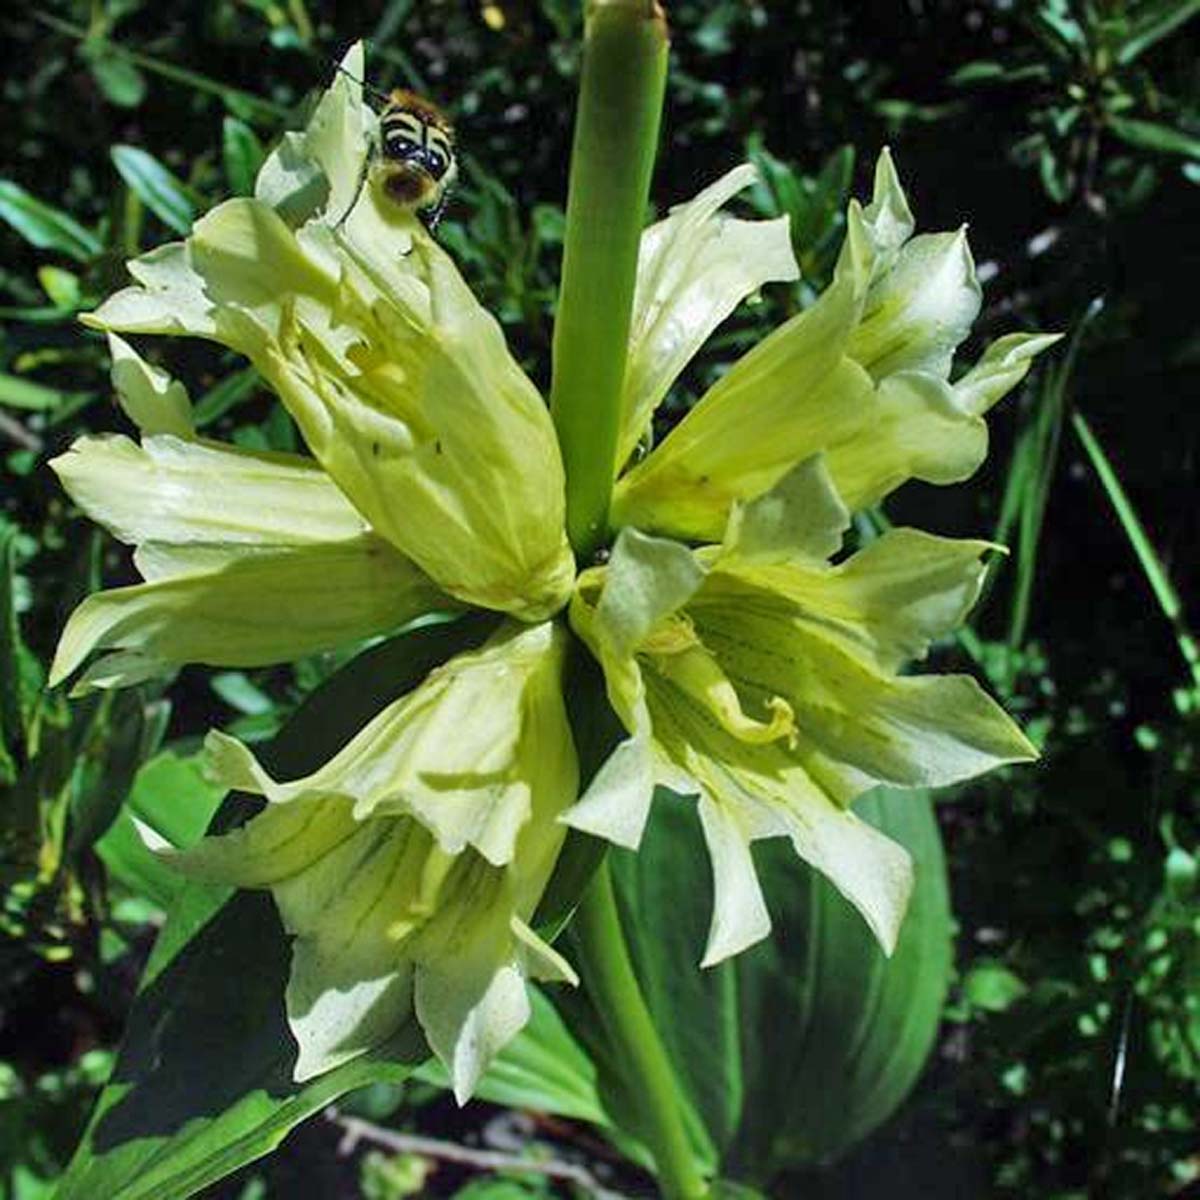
(694, 268)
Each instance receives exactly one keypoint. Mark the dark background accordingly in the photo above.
(1071, 148)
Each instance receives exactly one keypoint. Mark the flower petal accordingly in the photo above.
(259, 607)
(750, 791)
(616, 804)
(470, 998)
(928, 429)
(886, 602)
(873, 872)
(927, 731)
(152, 400)
(647, 579)
(278, 843)
(697, 673)
(1003, 365)
(920, 432)
(614, 610)
(342, 887)
(791, 396)
(178, 491)
(441, 440)
(168, 298)
(739, 917)
(802, 516)
(385, 921)
(351, 911)
(916, 315)
(694, 268)
(319, 168)
(888, 218)
(468, 753)
(403, 388)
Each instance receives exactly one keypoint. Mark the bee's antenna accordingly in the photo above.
(374, 91)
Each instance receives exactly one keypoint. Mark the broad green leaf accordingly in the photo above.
(858, 1027)
(44, 226)
(159, 190)
(203, 1082)
(1151, 135)
(801, 1046)
(117, 743)
(243, 155)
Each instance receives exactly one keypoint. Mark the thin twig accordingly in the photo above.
(356, 1130)
(16, 432)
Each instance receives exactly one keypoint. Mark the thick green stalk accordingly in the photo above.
(616, 133)
(650, 1081)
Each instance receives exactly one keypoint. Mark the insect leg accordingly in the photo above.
(433, 214)
(358, 190)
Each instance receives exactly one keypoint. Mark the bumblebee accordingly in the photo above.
(417, 165)
(412, 164)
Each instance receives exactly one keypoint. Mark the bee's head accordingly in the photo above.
(417, 162)
(416, 132)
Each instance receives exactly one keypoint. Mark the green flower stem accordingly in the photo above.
(613, 987)
(616, 133)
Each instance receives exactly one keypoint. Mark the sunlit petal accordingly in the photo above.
(694, 269)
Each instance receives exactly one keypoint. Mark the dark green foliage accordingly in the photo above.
(1068, 131)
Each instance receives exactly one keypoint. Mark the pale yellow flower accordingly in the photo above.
(862, 375)
(760, 679)
(752, 669)
(409, 866)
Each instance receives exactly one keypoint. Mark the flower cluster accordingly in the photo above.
(752, 668)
